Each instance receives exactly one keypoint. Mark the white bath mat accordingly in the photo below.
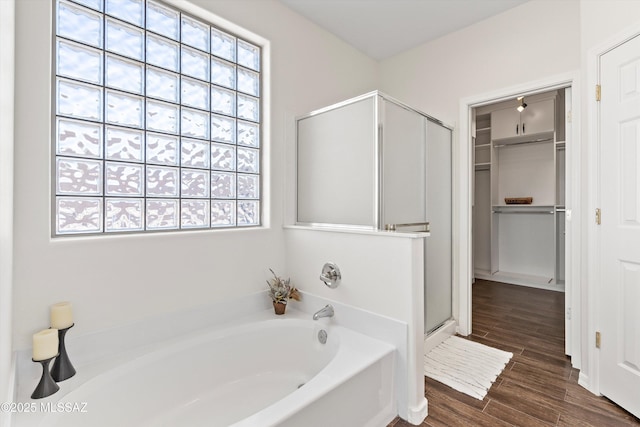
(466, 366)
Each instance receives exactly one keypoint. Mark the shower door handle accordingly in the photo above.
(394, 227)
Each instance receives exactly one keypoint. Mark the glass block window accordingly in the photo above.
(157, 120)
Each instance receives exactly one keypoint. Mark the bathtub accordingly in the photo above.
(268, 371)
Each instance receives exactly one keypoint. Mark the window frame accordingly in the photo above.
(212, 22)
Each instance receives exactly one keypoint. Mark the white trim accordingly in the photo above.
(591, 359)
(463, 195)
(574, 201)
(461, 256)
(589, 376)
(12, 391)
(417, 414)
(416, 400)
(462, 203)
(7, 73)
(372, 94)
(583, 380)
(355, 230)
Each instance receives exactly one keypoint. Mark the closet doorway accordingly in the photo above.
(519, 190)
(521, 166)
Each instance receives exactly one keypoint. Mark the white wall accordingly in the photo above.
(537, 39)
(381, 273)
(373, 268)
(603, 19)
(7, 9)
(119, 279)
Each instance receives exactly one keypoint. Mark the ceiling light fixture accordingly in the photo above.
(522, 105)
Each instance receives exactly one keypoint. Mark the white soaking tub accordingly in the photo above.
(267, 372)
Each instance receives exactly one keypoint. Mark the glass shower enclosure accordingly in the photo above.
(374, 163)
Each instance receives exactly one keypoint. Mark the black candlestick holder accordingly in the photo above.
(62, 367)
(46, 386)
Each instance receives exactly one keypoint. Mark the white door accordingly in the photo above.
(619, 314)
(438, 280)
(404, 173)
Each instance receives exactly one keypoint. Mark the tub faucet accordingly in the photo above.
(326, 311)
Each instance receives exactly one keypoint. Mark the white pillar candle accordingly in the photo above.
(45, 344)
(61, 315)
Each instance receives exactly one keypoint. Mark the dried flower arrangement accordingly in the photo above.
(280, 290)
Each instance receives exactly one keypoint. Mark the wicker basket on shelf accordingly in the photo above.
(518, 200)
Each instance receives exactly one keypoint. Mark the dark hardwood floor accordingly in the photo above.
(538, 387)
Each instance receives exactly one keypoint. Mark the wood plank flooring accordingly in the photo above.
(538, 387)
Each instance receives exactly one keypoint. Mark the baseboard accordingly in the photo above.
(583, 380)
(442, 333)
(418, 414)
(530, 281)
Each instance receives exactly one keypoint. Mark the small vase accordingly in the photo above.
(279, 307)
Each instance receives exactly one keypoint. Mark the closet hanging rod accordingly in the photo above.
(535, 141)
(394, 227)
(523, 212)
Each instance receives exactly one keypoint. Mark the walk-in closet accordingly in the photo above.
(519, 197)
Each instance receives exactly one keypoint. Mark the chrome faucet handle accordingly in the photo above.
(330, 275)
(326, 311)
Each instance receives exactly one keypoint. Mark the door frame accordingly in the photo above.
(590, 376)
(463, 199)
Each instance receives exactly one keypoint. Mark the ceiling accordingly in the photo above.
(384, 28)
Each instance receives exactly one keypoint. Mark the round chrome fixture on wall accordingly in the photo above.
(331, 275)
